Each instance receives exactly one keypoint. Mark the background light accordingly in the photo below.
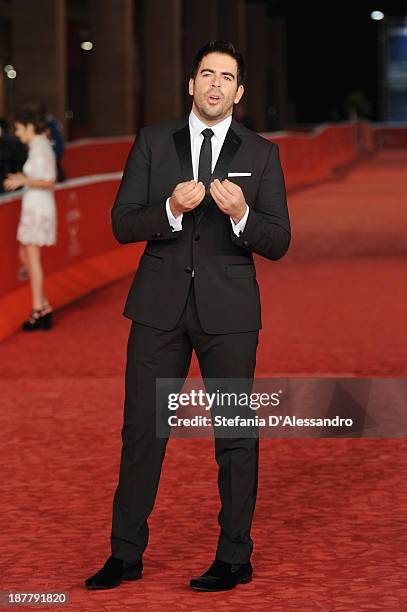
(10, 71)
(377, 15)
(86, 45)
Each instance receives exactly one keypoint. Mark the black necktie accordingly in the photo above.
(205, 159)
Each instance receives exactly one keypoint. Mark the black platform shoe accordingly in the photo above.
(39, 319)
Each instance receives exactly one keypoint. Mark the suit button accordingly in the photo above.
(197, 237)
(158, 234)
(188, 269)
(245, 243)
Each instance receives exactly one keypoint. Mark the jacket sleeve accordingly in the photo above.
(134, 217)
(267, 231)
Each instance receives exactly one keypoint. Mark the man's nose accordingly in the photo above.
(215, 81)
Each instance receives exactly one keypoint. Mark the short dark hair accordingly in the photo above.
(35, 113)
(220, 46)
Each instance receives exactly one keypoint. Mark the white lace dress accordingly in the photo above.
(38, 219)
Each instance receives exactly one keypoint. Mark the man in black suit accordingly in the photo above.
(206, 193)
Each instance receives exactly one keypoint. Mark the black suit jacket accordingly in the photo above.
(226, 289)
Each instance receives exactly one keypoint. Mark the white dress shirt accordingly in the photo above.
(219, 133)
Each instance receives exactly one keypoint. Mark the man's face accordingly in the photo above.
(214, 88)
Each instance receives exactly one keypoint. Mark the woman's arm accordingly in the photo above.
(19, 179)
(37, 183)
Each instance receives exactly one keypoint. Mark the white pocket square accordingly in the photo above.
(239, 173)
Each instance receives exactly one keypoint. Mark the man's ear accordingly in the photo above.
(191, 87)
(239, 94)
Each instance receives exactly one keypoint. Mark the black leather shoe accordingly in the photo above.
(113, 572)
(222, 576)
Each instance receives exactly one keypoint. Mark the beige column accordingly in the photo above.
(232, 23)
(213, 20)
(163, 74)
(232, 16)
(3, 110)
(39, 54)
(200, 27)
(257, 59)
(112, 69)
(4, 44)
(277, 74)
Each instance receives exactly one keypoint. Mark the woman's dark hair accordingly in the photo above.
(220, 46)
(35, 113)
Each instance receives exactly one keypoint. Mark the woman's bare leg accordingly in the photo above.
(36, 275)
(23, 255)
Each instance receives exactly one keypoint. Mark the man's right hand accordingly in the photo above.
(186, 196)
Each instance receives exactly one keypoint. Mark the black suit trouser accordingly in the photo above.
(154, 353)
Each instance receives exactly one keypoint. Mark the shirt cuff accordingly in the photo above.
(239, 227)
(175, 222)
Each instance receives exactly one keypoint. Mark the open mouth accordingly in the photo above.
(214, 98)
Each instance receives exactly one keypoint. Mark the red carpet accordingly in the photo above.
(330, 524)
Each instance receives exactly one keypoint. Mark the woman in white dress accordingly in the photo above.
(38, 219)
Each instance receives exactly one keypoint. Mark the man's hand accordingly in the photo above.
(229, 198)
(186, 196)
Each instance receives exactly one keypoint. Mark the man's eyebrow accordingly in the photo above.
(210, 70)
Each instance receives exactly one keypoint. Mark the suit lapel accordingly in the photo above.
(182, 140)
(229, 149)
(231, 144)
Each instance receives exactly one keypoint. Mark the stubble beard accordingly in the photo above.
(216, 114)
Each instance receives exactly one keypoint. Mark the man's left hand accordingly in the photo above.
(229, 198)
